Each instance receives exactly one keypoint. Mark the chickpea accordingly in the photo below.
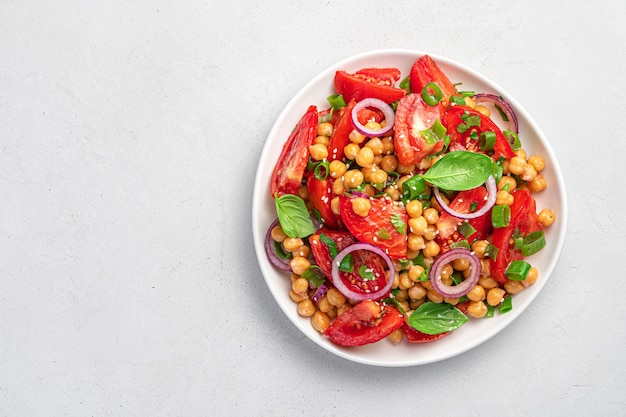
(414, 209)
(484, 110)
(405, 282)
(324, 305)
(318, 152)
(353, 178)
(297, 298)
(488, 282)
(495, 296)
(461, 264)
(325, 129)
(378, 176)
(365, 157)
(477, 309)
(351, 150)
(503, 197)
(479, 247)
(300, 286)
(278, 235)
(415, 242)
(388, 146)
(376, 145)
(470, 102)
(291, 244)
(299, 264)
(507, 183)
(529, 173)
(303, 251)
(416, 272)
(516, 165)
(356, 137)
(322, 140)
(320, 321)
(537, 162)
(453, 301)
(335, 206)
(335, 297)
(405, 169)
(476, 294)
(546, 217)
(446, 271)
(485, 267)
(374, 125)
(336, 168)
(417, 292)
(306, 308)
(431, 248)
(361, 206)
(396, 336)
(389, 163)
(418, 225)
(537, 184)
(343, 308)
(402, 294)
(532, 276)
(431, 232)
(434, 296)
(431, 215)
(513, 287)
(521, 153)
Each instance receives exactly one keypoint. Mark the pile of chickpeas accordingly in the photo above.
(369, 161)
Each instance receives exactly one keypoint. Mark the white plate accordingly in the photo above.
(476, 331)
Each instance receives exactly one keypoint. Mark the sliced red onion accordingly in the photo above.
(504, 105)
(380, 105)
(353, 295)
(464, 287)
(270, 249)
(492, 191)
(319, 293)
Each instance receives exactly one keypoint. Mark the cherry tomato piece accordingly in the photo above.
(320, 195)
(369, 82)
(366, 322)
(425, 71)
(289, 170)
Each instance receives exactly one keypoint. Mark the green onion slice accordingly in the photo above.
(517, 270)
(434, 98)
(533, 243)
(487, 140)
(500, 216)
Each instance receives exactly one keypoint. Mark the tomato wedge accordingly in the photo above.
(369, 82)
(341, 132)
(425, 71)
(464, 132)
(412, 117)
(523, 219)
(320, 195)
(384, 226)
(289, 170)
(464, 202)
(366, 322)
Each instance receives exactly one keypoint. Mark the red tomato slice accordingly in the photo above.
(320, 195)
(366, 322)
(415, 336)
(289, 170)
(369, 82)
(341, 132)
(413, 116)
(453, 117)
(353, 281)
(425, 71)
(378, 227)
(447, 225)
(523, 218)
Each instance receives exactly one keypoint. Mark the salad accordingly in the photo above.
(405, 208)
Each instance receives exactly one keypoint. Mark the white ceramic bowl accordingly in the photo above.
(476, 331)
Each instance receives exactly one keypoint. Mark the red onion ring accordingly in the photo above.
(504, 105)
(270, 249)
(492, 191)
(390, 117)
(353, 295)
(464, 287)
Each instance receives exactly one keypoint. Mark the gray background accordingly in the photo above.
(129, 138)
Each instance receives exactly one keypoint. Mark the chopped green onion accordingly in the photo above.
(457, 278)
(491, 251)
(466, 229)
(434, 98)
(282, 254)
(487, 140)
(500, 216)
(517, 270)
(457, 100)
(414, 187)
(405, 84)
(394, 302)
(322, 170)
(533, 243)
(490, 311)
(330, 244)
(506, 305)
(513, 139)
(366, 273)
(463, 243)
(336, 101)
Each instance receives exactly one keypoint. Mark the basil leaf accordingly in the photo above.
(314, 275)
(432, 318)
(398, 223)
(332, 246)
(347, 263)
(366, 273)
(293, 216)
(459, 171)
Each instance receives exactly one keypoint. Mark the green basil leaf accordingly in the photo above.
(398, 223)
(330, 244)
(293, 216)
(459, 171)
(347, 263)
(314, 275)
(432, 318)
(366, 273)
(383, 234)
